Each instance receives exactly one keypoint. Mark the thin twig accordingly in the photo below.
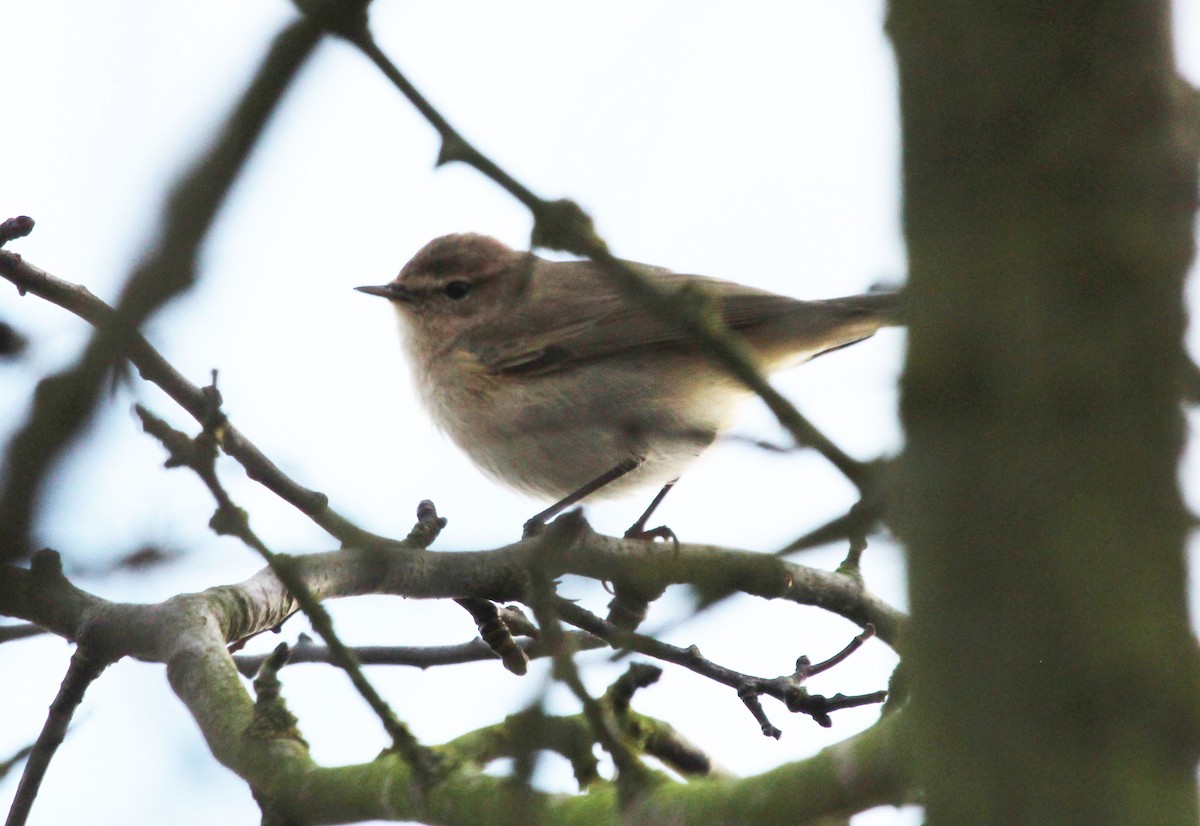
(854, 522)
(840, 656)
(417, 656)
(786, 689)
(15, 760)
(83, 671)
(21, 631)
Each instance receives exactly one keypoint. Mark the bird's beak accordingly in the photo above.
(392, 292)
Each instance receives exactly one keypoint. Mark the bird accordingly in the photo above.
(555, 382)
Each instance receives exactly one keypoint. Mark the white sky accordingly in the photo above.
(755, 142)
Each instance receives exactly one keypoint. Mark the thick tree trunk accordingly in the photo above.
(1049, 198)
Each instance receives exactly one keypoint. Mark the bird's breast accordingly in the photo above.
(549, 434)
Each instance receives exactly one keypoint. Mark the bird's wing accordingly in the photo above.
(575, 322)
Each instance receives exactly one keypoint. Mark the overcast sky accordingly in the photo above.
(756, 142)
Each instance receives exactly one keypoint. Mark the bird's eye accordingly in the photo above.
(458, 290)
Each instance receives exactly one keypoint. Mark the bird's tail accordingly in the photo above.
(818, 327)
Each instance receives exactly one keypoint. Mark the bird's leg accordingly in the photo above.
(638, 529)
(535, 522)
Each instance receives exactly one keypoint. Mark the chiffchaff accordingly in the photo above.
(554, 382)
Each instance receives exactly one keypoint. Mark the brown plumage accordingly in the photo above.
(548, 376)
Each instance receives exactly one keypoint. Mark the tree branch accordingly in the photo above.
(261, 602)
(787, 689)
(415, 656)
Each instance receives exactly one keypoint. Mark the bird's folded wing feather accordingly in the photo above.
(572, 325)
